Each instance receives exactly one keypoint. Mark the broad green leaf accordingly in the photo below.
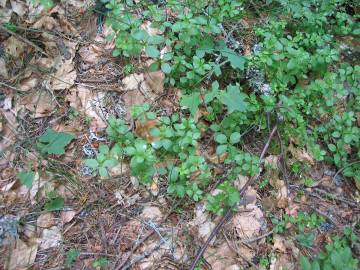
(52, 142)
(166, 68)
(234, 99)
(221, 149)
(220, 138)
(236, 60)
(154, 67)
(103, 172)
(304, 263)
(152, 51)
(56, 203)
(26, 178)
(191, 102)
(235, 137)
(92, 163)
(209, 96)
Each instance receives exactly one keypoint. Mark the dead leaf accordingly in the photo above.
(221, 257)
(23, 255)
(50, 238)
(119, 170)
(64, 77)
(28, 83)
(90, 54)
(155, 80)
(46, 220)
(152, 213)
(301, 155)
(14, 47)
(205, 229)
(143, 130)
(67, 215)
(18, 7)
(271, 161)
(248, 224)
(3, 71)
(154, 187)
(90, 103)
(41, 104)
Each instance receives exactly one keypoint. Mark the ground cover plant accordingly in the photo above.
(203, 110)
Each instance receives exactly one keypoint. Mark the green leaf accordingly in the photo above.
(304, 263)
(220, 138)
(92, 163)
(101, 262)
(71, 255)
(234, 99)
(152, 51)
(236, 60)
(191, 102)
(332, 147)
(235, 137)
(56, 203)
(26, 178)
(166, 68)
(214, 92)
(53, 142)
(221, 149)
(154, 67)
(103, 172)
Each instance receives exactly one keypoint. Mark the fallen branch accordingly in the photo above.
(230, 210)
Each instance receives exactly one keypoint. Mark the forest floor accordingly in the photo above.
(57, 73)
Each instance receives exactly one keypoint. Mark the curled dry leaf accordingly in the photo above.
(3, 70)
(155, 80)
(23, 255)
(271, 161)
(301, 155)
(28, 83)
(143, 130)
(67, 216)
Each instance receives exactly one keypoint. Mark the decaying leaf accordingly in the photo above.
(143, 130)
(301, 155)
(46, 220)
(23, 256)
(221, 257)
(64, 77)
(51, 237)
(152, 213)
(41, 104)
(14, 47)
(18, 7)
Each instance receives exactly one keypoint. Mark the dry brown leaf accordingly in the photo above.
(121, 169)
(50, 238)
(64, 77)
(5, 14)
(155, 80)
(271, 161)
(301, 155)
(152, 213)
(221, 257)
(215, 159)
(41, 104)
(23, 255)
(14, 47)
(143, 130)
(46, 220)
(8, 133)
(67, 216)
(28, 83)
(18, 7)
(154, 186)
(3, 70)
(90, 103)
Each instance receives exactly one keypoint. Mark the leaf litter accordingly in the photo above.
(112, 218)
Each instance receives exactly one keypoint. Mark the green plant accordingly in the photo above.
(105, 159)
(101, 262)
(70, 256)
(26, 178)
(337, 255)
(54, 201)
(52, 142)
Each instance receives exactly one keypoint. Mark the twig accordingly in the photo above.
(254, 239)
(283, 161)
(229, 211)
(28, 42)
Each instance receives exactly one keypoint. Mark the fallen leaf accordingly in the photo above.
(23, 256)
(143, 130)
(3, 71)
(18, 7)
(155, 80)
(90, 54)
(41, 104)
(14, 47)
(221, 257)
(205, 229)
(154, 187)
(271, 161)
(301, 155)
(64, 77)
(50, 238)
(28, 83)
(67, 215)
(152, 213)
(46, 220)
